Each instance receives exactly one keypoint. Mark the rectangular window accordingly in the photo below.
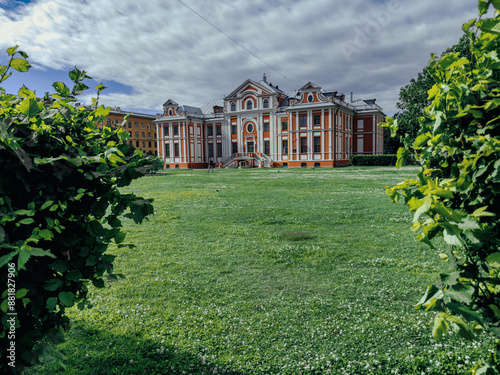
(284, 146)
(210, 131)
(210, 150)
(143, 144)
(136, 143)
(136, 125)
(165, 130)
(361, 125)
(149, 144)
(176, 149)
(317, 120)
(149, 135)
(303, 145)
(266, 147)
(284, 126)
(233, 129)
(176, 130)
(143, 135)
(167, 150)
(360, 144)
(137, 134)
(218, 130)
(108, 122)
(303, 121)
(219, 150)
(266, 126)
(235, 147)
(317, 144)
(129, 124)
(142, 125)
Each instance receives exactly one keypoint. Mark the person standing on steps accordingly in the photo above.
(210, 165)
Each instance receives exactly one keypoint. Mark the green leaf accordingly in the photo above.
(73, 275)
(402, 156)
(7, 258)
(46, 234)
(425, 206)
(440, 326)
(21, 65)
(3, 78)
(37, 252)
(102, 111)
(460, 293)
(467, 313)
(20, 293)
(51, 303)
(5, 305)
(26, 221)
(59, 266)
(53, 284)
(79, 88)
(77, 75)
(98, 283)
(120, 237)
(46, 204)
(67, 298)
(451, 235)
(29, 107)
(24, 255)
(100, 88)
(25, 92)
(494, 260)
(432, 293)
(480, 212)
(61, 89)
(11, 51)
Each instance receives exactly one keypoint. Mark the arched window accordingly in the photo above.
(233, 107)
(170, 112)
(249, 104)
(310, 99)
(266, 103)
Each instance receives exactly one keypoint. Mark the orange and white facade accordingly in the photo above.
(261, 126)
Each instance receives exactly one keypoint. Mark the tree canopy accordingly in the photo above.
(413, 98)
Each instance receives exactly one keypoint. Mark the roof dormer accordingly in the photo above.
(170, 108)
(311, 93)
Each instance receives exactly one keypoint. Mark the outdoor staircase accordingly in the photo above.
(233, 160)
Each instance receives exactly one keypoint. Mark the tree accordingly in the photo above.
(456, 195)
(413, 98)
(60, 208)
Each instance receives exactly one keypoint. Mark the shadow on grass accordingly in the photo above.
(100, 352)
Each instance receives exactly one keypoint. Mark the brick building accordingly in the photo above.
(260, 125)
(141, 128)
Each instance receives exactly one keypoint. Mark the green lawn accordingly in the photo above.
(280, 271)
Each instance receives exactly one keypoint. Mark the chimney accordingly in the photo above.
(352, 99)
(264, 78)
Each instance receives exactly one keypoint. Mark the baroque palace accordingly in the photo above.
(258, 125)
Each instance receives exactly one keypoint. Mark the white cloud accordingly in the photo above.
(164, 50)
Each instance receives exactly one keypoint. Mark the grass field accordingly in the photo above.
(276, 271)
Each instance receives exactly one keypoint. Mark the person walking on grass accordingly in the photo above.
(210, 165)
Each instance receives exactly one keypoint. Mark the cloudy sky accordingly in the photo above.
(194, 51)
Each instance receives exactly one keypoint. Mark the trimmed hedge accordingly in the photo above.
(387, 159)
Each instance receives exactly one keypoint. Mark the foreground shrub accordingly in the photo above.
(60, 208)
(456, 195)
